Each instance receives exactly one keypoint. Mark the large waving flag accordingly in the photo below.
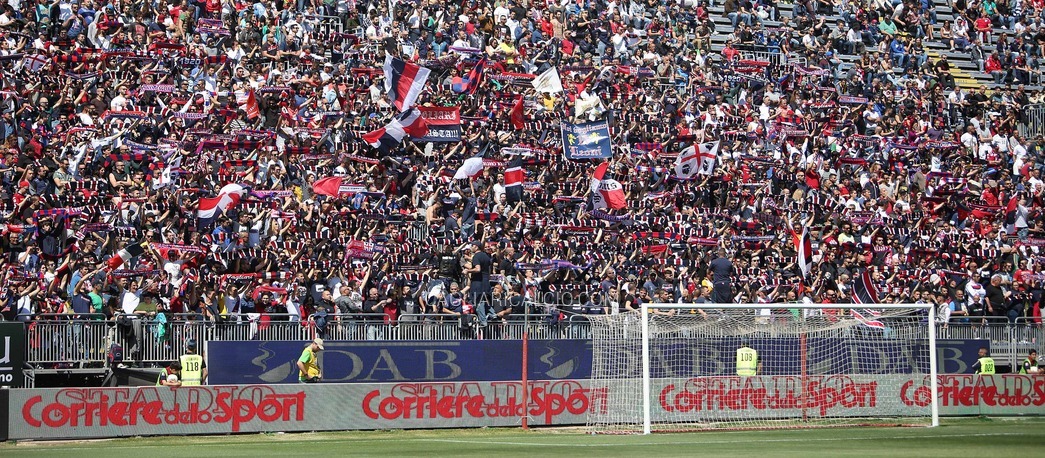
(468, 84)
(513, 180)
(329, 186)
(210, 207)
(403, 81)
(126, 254)
(687, 163)
(548, 81)
(864, 290)
(471, 168)
(408, 123)
(708, 155)
(606, 192)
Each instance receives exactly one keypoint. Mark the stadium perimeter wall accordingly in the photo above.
(79, 413)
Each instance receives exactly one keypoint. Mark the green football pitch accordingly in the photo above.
(955, 438)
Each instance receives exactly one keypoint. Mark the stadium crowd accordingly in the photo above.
(126, 121)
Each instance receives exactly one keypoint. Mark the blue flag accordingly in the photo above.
(587, 141)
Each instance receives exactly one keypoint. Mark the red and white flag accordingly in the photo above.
(708, 154)
(687, 163)
(804, 246)
(126, 254)
(403, 81)
(518, 116)
(210, 207)
(329, 186)
(410, 123)
(471, 168)
(35, 62)
(252, 108)
(606, 192)
(513, 180)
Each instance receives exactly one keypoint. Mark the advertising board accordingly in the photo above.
(254, 362)
(121, 412)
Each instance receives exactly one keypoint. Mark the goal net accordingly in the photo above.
(680, 367)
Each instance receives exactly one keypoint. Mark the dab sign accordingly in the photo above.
(12, 354)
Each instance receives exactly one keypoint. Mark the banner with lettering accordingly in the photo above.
(12, 354)
(587, 141)
(252, 362)
(444, 124)
(267, 361)
(81, 413)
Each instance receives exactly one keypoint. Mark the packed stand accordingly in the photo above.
(131, 125)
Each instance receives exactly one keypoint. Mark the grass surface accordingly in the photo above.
(955, 438)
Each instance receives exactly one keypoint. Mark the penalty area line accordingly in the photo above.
(739, 441)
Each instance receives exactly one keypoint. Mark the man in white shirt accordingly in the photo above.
(120, 102)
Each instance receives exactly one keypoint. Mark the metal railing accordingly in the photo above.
(1033, 121)
(57, 341)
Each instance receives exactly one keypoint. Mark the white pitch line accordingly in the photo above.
(746, 441)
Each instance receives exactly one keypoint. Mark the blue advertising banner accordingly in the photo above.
(782, 356)
(254, 362)
(587, 141)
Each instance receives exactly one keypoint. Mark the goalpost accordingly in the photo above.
(674, 367)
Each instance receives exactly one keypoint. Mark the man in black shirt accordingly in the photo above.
(374, 304)
(479, 289)
(721, 269)
(997, 299)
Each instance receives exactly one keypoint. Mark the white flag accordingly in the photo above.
(708, 155)
(548, 81)
(688, 162)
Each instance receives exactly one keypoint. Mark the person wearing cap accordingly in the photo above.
(193, 366)
(308, 363)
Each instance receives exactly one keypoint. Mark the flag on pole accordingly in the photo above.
(708, 155)
(403, 81)
(409, 123)
(513, 180)
(471, 82)
(209, 207)
(253, 110)
(35, 62)
(687, 163)
(606, 192)
(329, 186)
(1010, 214)
(864, 291)
(123, 256)
(517, 116)
(548, 81)
(471, 168)
(804, 246)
